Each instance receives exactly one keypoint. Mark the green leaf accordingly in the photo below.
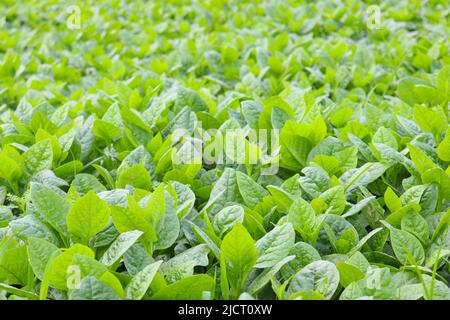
(302, 216)
(113, 158)
(415, 224)
(93, 289)
(136, 176)
(251, 192)
(385, 136)
(359, 261)
(120, 246)
(335, 199)
(39, 253)
(392, 201)
(185, 198)
(6, 216)
(18, 292)
(226, 218)
(264, 277)
(14, 266)
(136, 259)
(294, 149)
(443, 149)
(224, 190)
(358, 207)
(183, 264)
(420, 159)
(304, 254)
(442, 226)
(87, 217)
(83, 183)
(190, 288)
(407, 248)
(31, 226)
(366, 174)
(240, 254)
(59, 270)
(133, 218)
(140, 283)
(432, 120)
(364, 240)
(168, 227)
(10, 170)
(207, 239)
(105, 130)
(39, 157)
(319, 276)
(438, 176)
(315, 181)
(50, 205)
(275, 245)
(348, 273)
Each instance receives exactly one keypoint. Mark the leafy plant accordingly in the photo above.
(117, 182)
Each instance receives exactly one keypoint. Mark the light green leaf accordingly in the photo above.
(169, 226)
(275, 245)
(183, 264)
(120, 246)
(251, 192)
(443, 149)
(415, 224)
(51, 206)
(319, 276)
(240, 254)
(39, 253)
(93, 289)
(190, 288)
(407, 248)
(226, 218)
(87, 217)
(302, 216)
(39, 157)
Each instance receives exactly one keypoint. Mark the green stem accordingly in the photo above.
(435, 266)
(419, 274)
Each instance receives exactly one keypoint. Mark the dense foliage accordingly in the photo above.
(100, 199)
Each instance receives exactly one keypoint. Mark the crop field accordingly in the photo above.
(224, 150)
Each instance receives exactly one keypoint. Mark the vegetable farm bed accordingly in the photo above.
(222, 150)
